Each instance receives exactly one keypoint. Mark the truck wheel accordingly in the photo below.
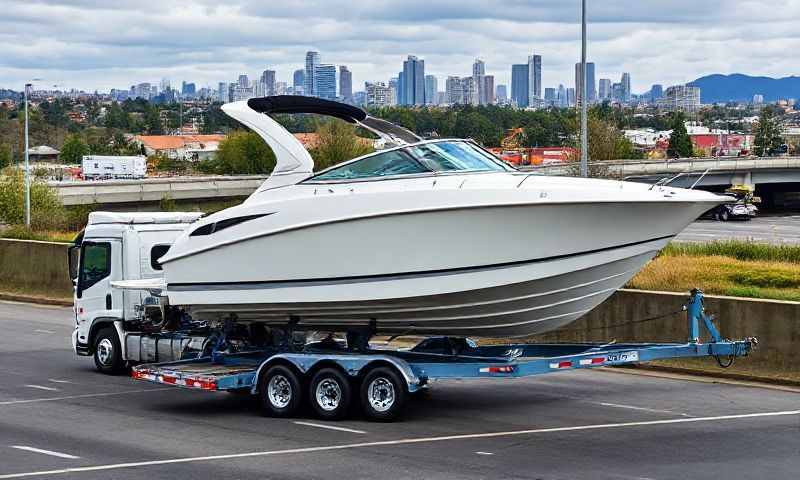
(107, 351)
(330, 394)
(280, 392)
(383, 394)
(724, 216)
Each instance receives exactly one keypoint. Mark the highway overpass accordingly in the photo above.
(153, 190)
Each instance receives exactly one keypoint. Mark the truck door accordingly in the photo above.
(100, 263)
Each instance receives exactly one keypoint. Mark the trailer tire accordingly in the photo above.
(107, 351)
(280, 392)
(383, 394)
(330, 394)
(724, 216)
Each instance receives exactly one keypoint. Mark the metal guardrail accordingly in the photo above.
(624, 168)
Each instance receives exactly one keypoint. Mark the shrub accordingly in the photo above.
(47, 211)
(337, 142)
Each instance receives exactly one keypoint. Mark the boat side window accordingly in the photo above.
(95, 264)
(157, 252)
(393, 162)
(454, 156)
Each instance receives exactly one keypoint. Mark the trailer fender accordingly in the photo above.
(352, 365)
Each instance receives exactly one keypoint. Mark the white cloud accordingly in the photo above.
(99, 45)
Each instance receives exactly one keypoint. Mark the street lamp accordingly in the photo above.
(584, 121)
(27, 165)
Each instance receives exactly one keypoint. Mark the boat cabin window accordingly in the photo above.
(436, 157)
(393, 162)
(157, 252)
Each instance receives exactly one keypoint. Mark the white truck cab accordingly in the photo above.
(117, 246)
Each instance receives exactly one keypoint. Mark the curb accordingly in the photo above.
(715, 374)
(12, 297)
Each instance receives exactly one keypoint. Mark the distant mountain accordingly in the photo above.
(739, 87)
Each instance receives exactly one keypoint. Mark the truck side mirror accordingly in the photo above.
(73, 254)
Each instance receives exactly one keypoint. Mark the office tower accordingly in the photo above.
(298, 81)
(488, 90)
(570, 97)
(394, 91)
(591, 91)
(626, 87)
(501, 94)
(413, 81)
(656, 92)
(681, 98)
(244, 82)
(519, 85)
(478, 72)
(534, 80)
(562, 96)
(454, 91)
(325, 81)
(401, 89)
(345, 84)
(310, 84)
(222, 92)
(377, 94)
(550, 97)
(268, 82)
(431, 87)
(604, 90)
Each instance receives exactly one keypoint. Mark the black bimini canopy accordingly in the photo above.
(301, 104)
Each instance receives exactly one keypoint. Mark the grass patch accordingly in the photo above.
(20, 232)
(721, 275)
(737, 249)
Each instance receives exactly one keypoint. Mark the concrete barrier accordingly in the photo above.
(34, 268)
(638, 316)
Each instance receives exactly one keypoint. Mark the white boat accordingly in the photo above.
(426, 237)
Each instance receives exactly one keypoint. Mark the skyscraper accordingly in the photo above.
(309, 81)
(570, 97)
(604, 91)
(626, 87)
(501, 94)
(534, 79)
(413, 80)
(550, 98)
(325, 81)
(401, 89)
(519, 85)
(656, 92)
(222, 92)
(591, 92)
(345, 84)
(268, 82)
(478, 72)
(431, 87)
(488, 90)
(562, 96)
(298, 81)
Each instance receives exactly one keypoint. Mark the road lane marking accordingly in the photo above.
(86, 395)
(329, 427)
(45, 452)
(40, 387)
(39, 330)
(406, 441)
(644, 409)
(484, 453)
(54, 380)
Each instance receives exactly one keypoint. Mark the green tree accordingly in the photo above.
(680, 145)
(336, 142)
(5, 156)
(47, 211)
(243, 152)
(768, 134)
(74, 149)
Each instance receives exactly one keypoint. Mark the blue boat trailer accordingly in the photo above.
(334, 373)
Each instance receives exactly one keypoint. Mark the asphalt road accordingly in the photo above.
(772, 229)
(60, 418)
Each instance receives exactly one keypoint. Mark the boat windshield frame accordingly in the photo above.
(489, 156)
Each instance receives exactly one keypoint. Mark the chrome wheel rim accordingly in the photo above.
(279, 391)
(329, 394)
(380, 394)
(105, 351)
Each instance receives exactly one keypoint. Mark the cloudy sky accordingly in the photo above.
(103, 44)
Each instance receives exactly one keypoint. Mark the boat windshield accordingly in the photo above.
(438, 157)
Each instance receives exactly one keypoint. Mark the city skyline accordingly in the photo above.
(74, 46)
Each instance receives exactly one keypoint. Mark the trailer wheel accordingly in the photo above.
(107, 351)
(724, 216)
(383, 394)
(280, 391)
(330, 394)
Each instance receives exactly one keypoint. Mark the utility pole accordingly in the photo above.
(584, 90)
(27, 165)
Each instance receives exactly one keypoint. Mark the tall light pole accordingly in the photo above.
(27, 165)
(584, 122)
